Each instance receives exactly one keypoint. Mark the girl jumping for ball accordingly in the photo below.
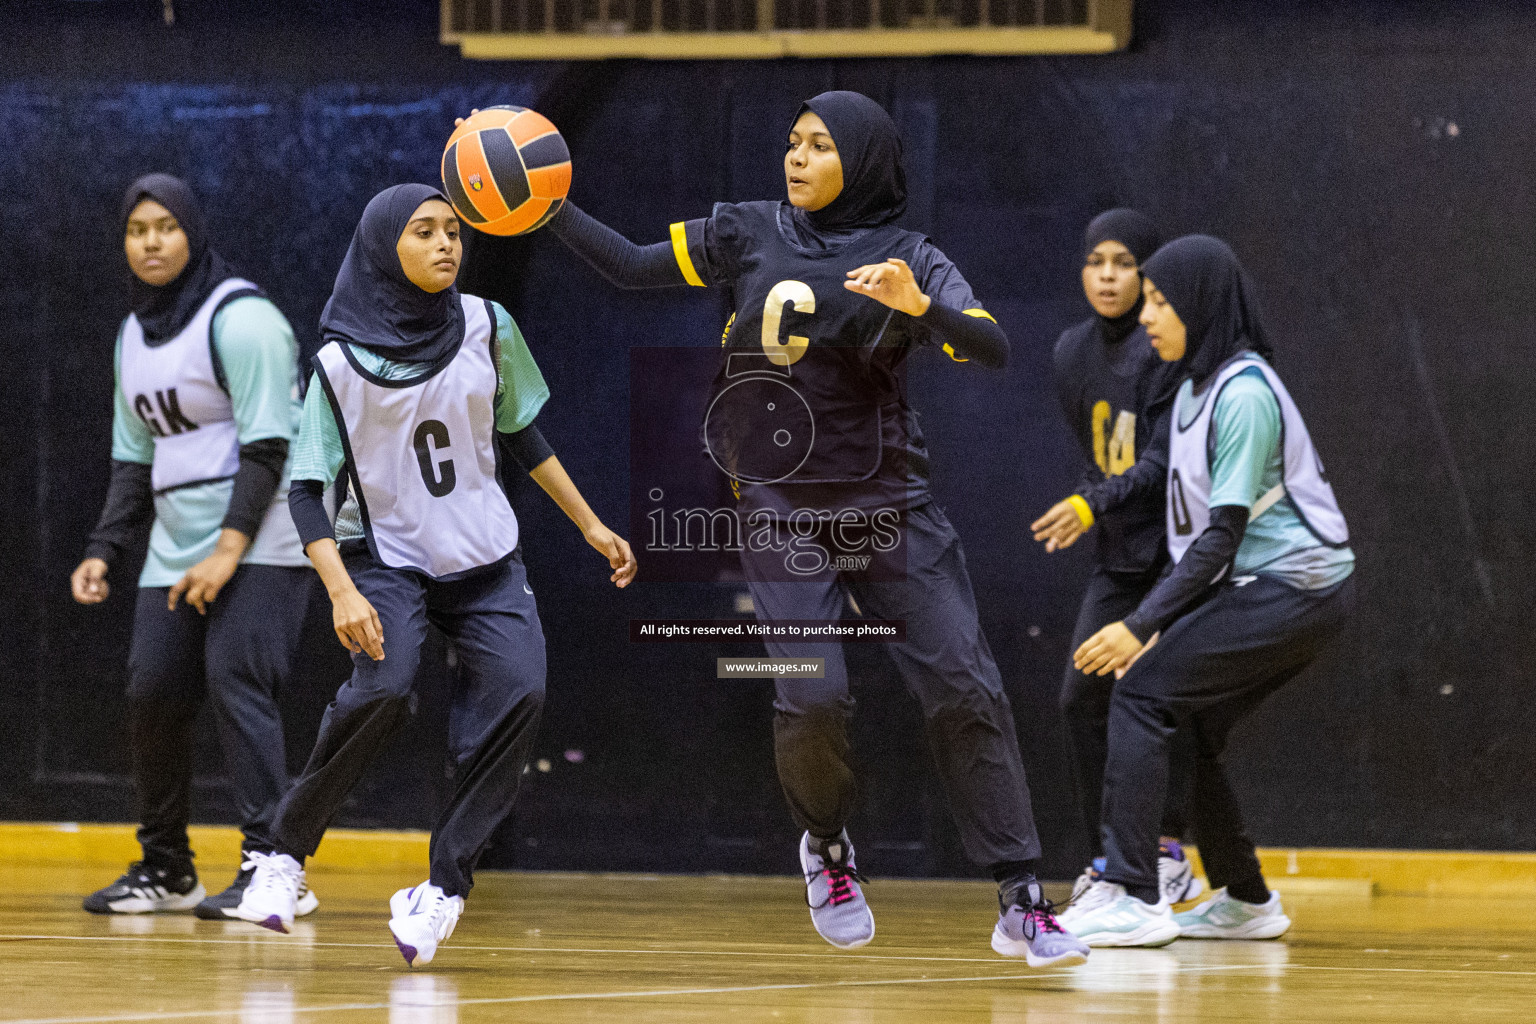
(831, 297)
(416, 385)
(1262, 581)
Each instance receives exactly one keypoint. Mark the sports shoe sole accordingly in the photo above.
(1266, 927)
(1019, 948)
(308, 904)
(805, 869)
(273, 922)
(413, 955)
(170, 905)
(1149, 935)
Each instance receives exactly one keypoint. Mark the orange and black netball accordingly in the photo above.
(506, 170)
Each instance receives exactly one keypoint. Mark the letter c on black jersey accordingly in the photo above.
(438, 476)
(785, 352)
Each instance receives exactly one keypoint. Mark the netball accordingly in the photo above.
(506, 170)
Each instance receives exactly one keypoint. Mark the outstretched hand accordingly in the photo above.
(1060, 527)
(890, 283)
(460, 120)
(616, 549)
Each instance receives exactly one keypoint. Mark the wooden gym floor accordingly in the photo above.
(565, 947)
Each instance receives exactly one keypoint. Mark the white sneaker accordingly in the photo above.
(1092, 873)
(1175, 875)
(1089, 895)
(1226, 918)
(1113, 917)
(272, 898)
(420, 919)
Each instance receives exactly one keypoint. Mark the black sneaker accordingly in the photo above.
(222, 907)
(145, 889)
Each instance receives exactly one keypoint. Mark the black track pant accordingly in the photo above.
(493, 624)
(946, 665)
(236, 657)
(1210, 669)
(1110, 597)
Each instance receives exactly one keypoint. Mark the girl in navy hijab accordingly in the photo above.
(1262, 581)
(415, 388)
(831, 297)
(1114, 392)
(204, 412)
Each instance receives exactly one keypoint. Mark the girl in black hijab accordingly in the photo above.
(831, 297)
(375, 305)
(1114, 392)
(204, 413)
(1262, 581)
(415, 388)
(164, 309)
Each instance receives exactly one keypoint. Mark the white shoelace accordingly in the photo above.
(274, 874)
(1099, 894)
(437, 915)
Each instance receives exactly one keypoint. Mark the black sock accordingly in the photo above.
(1252, 891)
(1148, 894)
(823, 847)
(1016, 883)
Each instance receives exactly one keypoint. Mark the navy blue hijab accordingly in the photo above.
(1140, 236)
(375, 305)
(874, 183)
(163, 310)
(1206, 285)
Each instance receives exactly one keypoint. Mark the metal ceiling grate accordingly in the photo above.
(573, 29)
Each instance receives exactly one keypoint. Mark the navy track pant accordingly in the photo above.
(236, 657)
(946, 665)
(1110, 597)
(1209, 670)
(492, 622)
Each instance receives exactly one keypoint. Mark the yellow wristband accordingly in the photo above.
(1081, 508)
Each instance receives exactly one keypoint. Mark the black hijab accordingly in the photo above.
(375, 305)
(1137, 233)
(874, 183)
(163, 310)
(1201, 278)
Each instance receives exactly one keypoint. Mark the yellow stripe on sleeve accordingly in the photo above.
(981, 313)
(684, 261)
(949, 350)
(1081, 508)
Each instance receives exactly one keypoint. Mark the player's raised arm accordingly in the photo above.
(622, 262)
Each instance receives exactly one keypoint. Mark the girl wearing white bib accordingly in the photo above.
(1262, 581)
(205, 407)
(414, 389)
